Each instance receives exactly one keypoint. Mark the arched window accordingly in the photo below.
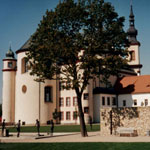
(132, 55)
(48, 94)
(24, 65)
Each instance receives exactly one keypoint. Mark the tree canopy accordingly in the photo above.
(76, 42)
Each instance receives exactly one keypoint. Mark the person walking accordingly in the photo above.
(38, 126)
(52, 127)
(3, 127)
(18, 128)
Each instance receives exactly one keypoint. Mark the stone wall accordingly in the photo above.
(135, 117)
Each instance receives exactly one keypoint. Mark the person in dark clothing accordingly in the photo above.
(18, 128)
(3, 127)
(38, 126)
(52, 127)
(90, 120)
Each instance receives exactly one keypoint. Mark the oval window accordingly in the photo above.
(24, 89)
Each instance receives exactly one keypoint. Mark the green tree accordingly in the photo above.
(76, 42)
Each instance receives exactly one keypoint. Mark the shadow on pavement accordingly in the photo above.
(42, 137)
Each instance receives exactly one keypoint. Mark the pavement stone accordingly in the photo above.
(69, 137)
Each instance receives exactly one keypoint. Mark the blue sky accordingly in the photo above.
(20, 18)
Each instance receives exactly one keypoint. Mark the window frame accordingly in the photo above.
(75, 118)
(50, 92)
(103, 100)
(75, 101)
(61, 115)
(68, 101)
(85, 110)
(61, 102)
(24, 65)
(132, 55)
(108, 101)
(86, 96)
(124, 103)
(146, 102)
(67, 115)
(10, 63)
(135, 102)
(114, 101)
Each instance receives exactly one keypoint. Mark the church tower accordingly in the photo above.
(134, 49)
(8, 98)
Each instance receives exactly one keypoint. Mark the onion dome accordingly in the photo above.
(10, 54)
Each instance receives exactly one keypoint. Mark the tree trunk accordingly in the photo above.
(81, 116)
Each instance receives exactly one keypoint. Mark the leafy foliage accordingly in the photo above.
(77, 42)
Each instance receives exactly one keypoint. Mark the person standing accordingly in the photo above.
(38, 126)
(52, 127)
(18, 128)
(3, 127)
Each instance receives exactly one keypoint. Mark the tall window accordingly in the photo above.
(24, 65)
(146, 102)
(68, 101)
(48, 94)
(124, 103)
(108, 101)
(86, 110)
(75, 103)
(113, 101)
(86, 96)
(61, 101)
(61, 115)
(75, 115)
(135, 102)
(10, 64)
(68, 115)
(103, 100)
(132, 55)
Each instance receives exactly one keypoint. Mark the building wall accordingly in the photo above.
(85, 103)
(131, 97)
(98, 104)
(8, 96)
(30, 105)
(8, 90)
(137, 118)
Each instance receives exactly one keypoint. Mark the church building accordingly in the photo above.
(27, 100)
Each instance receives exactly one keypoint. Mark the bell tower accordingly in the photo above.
(134, 49)
(8, 93)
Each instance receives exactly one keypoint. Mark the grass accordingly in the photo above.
(75, 146)
(57, 128)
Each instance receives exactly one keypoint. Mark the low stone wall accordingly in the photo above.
(135, 117)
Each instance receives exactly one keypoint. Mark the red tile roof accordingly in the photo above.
(133, 84)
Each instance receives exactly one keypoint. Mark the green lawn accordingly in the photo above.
(57, 128)
(75, 146)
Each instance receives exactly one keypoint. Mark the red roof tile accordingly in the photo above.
(133, 84)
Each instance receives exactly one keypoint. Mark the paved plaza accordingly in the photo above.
(69, 137)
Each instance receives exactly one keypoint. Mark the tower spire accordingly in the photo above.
(132, 32)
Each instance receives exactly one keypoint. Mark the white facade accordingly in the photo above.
(101, 101)
(8, 97)
(134, 100)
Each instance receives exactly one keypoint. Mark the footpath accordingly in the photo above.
(69, 137)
